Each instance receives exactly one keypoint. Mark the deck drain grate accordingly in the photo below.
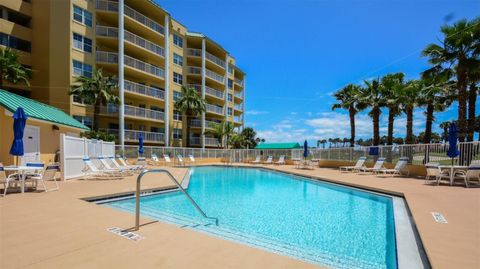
(438, 217)
(129, 235)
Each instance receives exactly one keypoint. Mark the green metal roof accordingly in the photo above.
(290, 145)
(37, 110)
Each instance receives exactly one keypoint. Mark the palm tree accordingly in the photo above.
(372, 96)
(249, 135)
(391, 86)
(97, 91)
(223, 131)
(348, 99)
(456, 51)
(191, 104)
(474, 79)
(11, 70)
(444, 125)
(408, 100)
(435, 98)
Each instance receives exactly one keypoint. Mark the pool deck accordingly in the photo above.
(60, 230)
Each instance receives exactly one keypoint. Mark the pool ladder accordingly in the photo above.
(137, 196)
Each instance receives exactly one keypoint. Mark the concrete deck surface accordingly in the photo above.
(60, 230)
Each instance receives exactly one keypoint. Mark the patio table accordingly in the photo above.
(453, 169)
(22, 171)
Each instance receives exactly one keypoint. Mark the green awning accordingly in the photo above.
(291, 145)
(37, 110)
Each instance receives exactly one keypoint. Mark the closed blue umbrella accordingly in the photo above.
(19, 122)
(452, 142)
(140, 144)
(305, 149)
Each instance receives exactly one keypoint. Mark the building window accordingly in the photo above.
(177, 133)
(177, 40)
(82, 16)
(177, 59)
(177, 115)
(230, 83)
(229, 111)
(177, 78)
(230, 97)
(15, 42)
(15, 17)
(176, 95)
(87, 121)
(81, 69)
(82, 43)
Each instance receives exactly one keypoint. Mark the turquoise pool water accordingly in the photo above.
(317, 222)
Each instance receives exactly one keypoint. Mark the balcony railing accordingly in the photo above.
(144, 90)
(209, 141)
(215, 76)
(132, 13)
(237, 119)
(194, 52)
(198, 123)
(112, 57)
(215, 59)
(238, 107)
(214, 109)
(239, 95)
(133, 135)
(139, 112)
(208, 90)
(195, 70)
(239, 81)
(107, 31)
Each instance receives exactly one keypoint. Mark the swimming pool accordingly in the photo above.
(314, 221)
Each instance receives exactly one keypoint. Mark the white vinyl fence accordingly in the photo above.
(74, 149)
(417, 154)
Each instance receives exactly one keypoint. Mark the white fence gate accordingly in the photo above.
(74, 149)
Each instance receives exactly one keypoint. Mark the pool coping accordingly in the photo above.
(410, 251)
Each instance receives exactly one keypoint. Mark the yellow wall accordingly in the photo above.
(49, 139)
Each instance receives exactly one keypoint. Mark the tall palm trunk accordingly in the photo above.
(391, 119)
(376, 125)
(472, 99)
(428, 124)
(96, 114)
(409, 137)
(462, 99)
(352, 126)
(188, 131)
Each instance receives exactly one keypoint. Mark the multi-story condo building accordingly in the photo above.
(151, 54)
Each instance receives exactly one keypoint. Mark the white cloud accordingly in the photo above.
(256, 112)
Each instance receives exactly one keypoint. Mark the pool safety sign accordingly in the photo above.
(129, 235)
(438, 217)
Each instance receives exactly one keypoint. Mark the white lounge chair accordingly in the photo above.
(269, 160)
(192, 158)
(397, 170)
(155, 159)
(180, 160)
(473, 172)
(124, 162)
(359, 165)
(258, 160)
(49, 173)
(433, 171)
(6, 180)
(378, 166)
(281, 160)
(90, 170)
(167, 159)
(107, 166)
(123, 167)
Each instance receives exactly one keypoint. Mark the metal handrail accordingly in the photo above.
(137, 196)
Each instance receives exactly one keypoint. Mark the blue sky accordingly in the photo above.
(297, 53)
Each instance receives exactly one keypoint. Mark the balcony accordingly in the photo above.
(214, 109)
(197, 123)
(194, 70)
(194, 52)
(208, 90)
(239, 81)
(239, 95)
(111, 6)
(237, 119)
(215, 59)
(137, 112)
(112, 58)
(137, 88)
(209, 141)
(133, 135)
(217, 77)
(106, 31)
